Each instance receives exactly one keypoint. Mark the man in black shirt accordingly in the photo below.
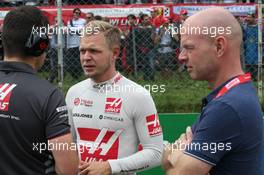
(1, 45)
(33, 116)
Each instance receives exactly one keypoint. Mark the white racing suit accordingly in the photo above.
(111, 119)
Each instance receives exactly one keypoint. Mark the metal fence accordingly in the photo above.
(149, 56)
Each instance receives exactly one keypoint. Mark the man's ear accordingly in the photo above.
(220, 45)
(115, 51)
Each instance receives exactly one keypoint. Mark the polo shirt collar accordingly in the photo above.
(16, 67)
(213, 94)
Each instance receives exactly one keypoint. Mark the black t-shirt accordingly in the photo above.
(1, 47)
(31, 112)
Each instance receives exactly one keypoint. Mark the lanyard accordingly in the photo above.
(236, 81)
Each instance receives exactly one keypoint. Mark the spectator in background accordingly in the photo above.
(178, 24)
(129, 33)
(183, 15)
(152, 15)
(106, 19)
(89, 17)
(132, 21)
(191, 1)
(98, 18)
(109, 1)
(144, 35)
(250, 37)
(166, 53)
(119, 2)
(228, 1)
(158, 19)
(75, 26)
(205, 1)
(240, 20)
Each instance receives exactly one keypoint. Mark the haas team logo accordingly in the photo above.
(153, 123)
(113, 105)
(5, 93)
(97, 145)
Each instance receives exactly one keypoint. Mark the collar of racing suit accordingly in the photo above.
(102, 86)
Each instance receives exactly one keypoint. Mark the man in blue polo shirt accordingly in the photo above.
(226, 139)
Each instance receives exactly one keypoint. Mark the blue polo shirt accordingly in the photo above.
(228, 134)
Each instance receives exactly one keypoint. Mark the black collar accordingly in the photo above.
(13, 66)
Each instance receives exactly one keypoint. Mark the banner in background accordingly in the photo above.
(237, 10)
(117, 13)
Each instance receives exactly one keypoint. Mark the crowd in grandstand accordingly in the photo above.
(117, 2)
(149, 44)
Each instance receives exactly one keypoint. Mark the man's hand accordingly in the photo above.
(171, 150)
(186, 138)
(166, 153)
(83, 165)
(95, 168)
(180, 145)
(182, 164)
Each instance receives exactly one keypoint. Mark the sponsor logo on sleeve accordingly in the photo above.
(153, 124)
(61, 108)
(5, 93)
(113, 105)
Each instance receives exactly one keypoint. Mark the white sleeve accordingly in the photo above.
(69, 103)
(150, 135)
(139, 161)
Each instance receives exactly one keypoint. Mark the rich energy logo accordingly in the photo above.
(82, 102)
(107, 144)
(153, 124)
(113, 105)
(5, 93)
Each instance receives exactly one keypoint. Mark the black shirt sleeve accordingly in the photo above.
(56, 115)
